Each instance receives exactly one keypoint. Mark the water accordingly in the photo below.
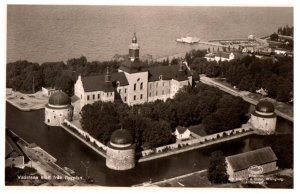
(70, 152)
(57, 33)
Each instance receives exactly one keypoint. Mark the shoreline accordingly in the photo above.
(26, 109)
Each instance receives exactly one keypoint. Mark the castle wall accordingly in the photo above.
(159, 90)
(120, 159)
(54, 117)
(265, 125)
(123, 92)
(137, 96)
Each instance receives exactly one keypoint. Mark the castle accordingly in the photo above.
(134, 83)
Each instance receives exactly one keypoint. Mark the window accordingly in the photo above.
(107, 94)
(125, 90)
(156, 93)
(134, 97)
(160, 77)
(163, 92)
(141, 96)
(98, 96)
(80, 96)
(156, 84)
(48, 120)
(54, 116)
(88, 97)
(93, 96)
(150, 94)
(125, 99)
(141, 86)
(163, 83)
(134, 87)
(150, 85)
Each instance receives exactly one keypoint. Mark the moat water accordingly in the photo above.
(70, 152)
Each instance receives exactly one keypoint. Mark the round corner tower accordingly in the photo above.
(263, 118)
(120, 154)
(58, 109)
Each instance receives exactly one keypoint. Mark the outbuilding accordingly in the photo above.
(241, 166)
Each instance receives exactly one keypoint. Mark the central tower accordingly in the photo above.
(134, 49)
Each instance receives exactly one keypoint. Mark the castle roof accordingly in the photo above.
(59, 98)
(133, 66)
(168, 73)
(265, 106)
(97, 83)
(256, 157)
(121, 137)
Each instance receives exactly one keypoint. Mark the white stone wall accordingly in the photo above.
(79, 92)
(137, 79)
(184, 135)
(159, 90)
(123, 92)
(54, 117)
(197, 140)
(120, 159)
(265, 125)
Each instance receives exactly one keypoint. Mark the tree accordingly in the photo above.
(66, 84)
(217, 170)
(274, 37)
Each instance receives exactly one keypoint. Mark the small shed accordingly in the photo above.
(182, 133)
(239, 166)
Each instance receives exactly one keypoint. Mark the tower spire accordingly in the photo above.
(134, 49)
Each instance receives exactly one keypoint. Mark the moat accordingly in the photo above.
(69, 151)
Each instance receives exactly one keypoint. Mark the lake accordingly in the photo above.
(58, 33)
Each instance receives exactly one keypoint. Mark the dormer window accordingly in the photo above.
(160, 77)
(118, 83)
(138, 80)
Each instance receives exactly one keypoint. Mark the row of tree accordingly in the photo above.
(29, 77)
(152, 124)
(287, 31)
(251, 74)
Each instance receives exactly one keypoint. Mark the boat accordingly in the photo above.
(70, 171)
(188, 40)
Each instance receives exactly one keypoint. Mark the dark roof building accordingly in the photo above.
(157, 73)
(97, 83)
(257, 157)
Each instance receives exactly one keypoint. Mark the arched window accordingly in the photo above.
(134, 87)
(141, 86)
